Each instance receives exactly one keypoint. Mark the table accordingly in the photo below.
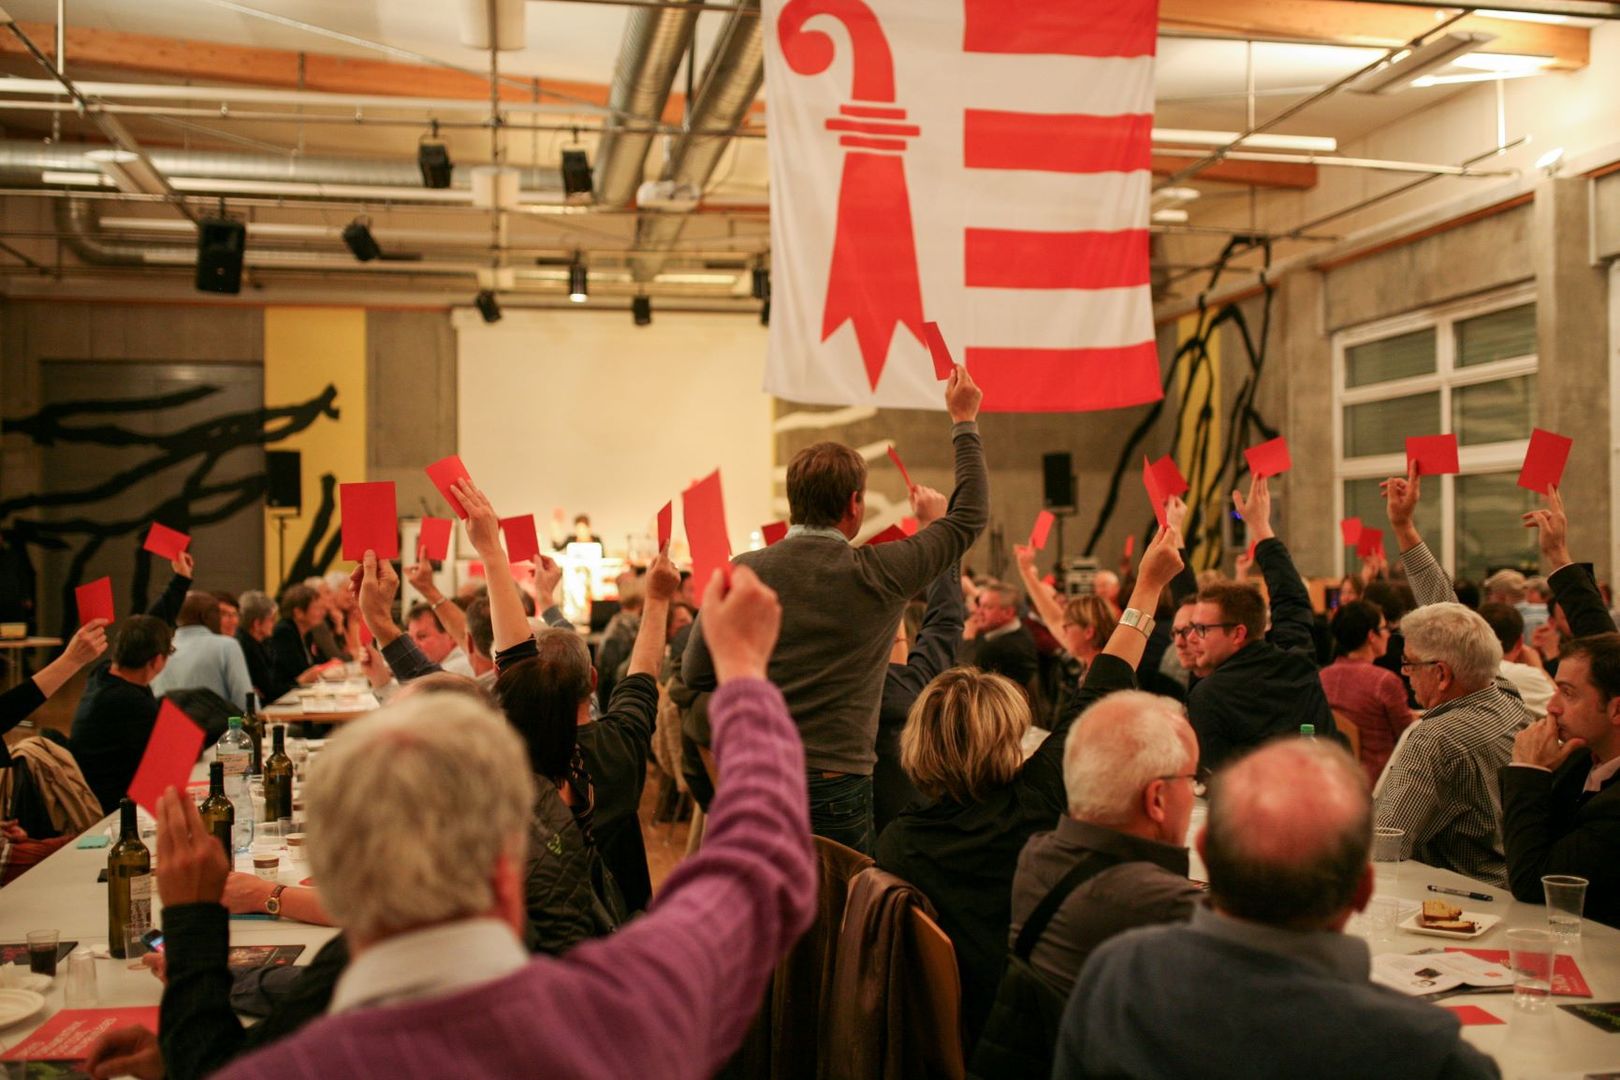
(289, 708)
(14, 664)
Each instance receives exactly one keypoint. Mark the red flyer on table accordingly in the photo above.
(666, 525)
(434, 539)
(1269, 458)
(445, 472)
(773, 532)
(370, 522)
(94, 600)
(171, 751)
(1434, 455)
(165, 542)
(1371, 543)
(522, 542)
(887, 536)
(894, 456)
(1567, 980)
(1545, 460)
(941, 353)
(703, 508)
(1473, 1014)
(70, 1033)
(1043, 526)
(1350, 529)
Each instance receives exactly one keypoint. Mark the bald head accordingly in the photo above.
(1290, 826)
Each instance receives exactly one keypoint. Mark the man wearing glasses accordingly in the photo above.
(1258, 686)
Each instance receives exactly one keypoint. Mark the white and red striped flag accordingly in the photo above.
(982, 164)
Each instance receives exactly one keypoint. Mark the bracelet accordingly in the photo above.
(441, 600)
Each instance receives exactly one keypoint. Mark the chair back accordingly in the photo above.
(936, 1007)
(1347, 728)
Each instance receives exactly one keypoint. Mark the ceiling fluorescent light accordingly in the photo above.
(57, 178)
(1184, 137)
(128, 172)
(1471, 77)
(1176, 195)
(1503, 63)
(1410, 64)
(1523, 16)
(1169, 217)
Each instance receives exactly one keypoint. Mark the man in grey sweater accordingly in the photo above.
(841, 606)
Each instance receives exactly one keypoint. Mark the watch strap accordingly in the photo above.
(1138, 620)
(272, 903)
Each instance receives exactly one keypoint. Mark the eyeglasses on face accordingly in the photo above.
(1201, 630)
(1408, 666)
(1199, 781)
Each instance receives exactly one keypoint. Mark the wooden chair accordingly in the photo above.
(1347, 728)
(939, 1013)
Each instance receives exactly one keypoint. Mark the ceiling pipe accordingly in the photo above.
(655, 40)
(731, 81)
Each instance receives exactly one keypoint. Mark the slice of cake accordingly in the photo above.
(1444, 915)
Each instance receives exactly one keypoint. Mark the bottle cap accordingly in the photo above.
(235, 722)
(1307, 731)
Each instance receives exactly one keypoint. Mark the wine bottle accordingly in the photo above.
(129, 883)
(253, 724)
(278, 778)
(218, 815)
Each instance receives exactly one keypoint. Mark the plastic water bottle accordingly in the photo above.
(241, 797)
(1306, 731)
(234, 752)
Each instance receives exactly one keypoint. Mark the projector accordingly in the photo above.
(667, 195)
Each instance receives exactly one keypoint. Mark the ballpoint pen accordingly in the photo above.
(1460, 892)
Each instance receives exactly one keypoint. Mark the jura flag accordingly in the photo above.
(982, 164)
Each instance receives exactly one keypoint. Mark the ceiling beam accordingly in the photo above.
(1270, 174)
(1577, 9)
(1364, 22)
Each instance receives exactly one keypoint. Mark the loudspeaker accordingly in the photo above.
(576, 174)
(1057, 475)
(220, 245)
(285, 490)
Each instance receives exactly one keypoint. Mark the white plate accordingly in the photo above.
(1482, 924)
(27, 980)
(18, 1005)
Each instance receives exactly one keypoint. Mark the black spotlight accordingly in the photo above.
(433, 157)
(579, 282)
(641, 310)
(488, 306)
(357, 236)
(576, 174)
(765, 312)
(221, 244)
(762, 283)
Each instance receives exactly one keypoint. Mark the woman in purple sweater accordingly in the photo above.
(1371, 697)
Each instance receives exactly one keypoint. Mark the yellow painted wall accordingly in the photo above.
(1192, 389)
(305, 350)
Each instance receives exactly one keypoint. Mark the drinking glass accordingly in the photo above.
(42, 951)
(1566, 899)
(1386, 852)
(135, 943)
(1530, 955)
(80, 988)
(1383, 913)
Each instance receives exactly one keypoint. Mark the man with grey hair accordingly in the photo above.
(1441, 785)
(1116, 861)
(253, 630)
(997, 639)
(1263, 981)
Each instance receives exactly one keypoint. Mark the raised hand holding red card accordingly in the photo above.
(1544, 461)
(444, 473)
(1043, 527)
(1269, 458)
(1370, 544)
(433, 542)
(370, 522)
(938, 351)
(1433, 455)
(773, 532)
(703, 508)
(1350, 529)
(166, 543)
(171, 751)
(894, 456)
(522, 541)
(94, 600)
(666, 525)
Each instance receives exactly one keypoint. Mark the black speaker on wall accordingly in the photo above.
(220, 244)
(285, 490)
(1057, 476)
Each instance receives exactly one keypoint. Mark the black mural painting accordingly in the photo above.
(198, 447)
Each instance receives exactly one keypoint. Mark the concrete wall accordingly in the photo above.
(411, 391)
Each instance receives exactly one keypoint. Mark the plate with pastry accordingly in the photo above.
(1442, 918)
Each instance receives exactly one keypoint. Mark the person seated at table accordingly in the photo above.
(1441, 786)
(439, 984)
(1259, 686)
(1371, 698)
(293, 658)
(341, 616)
(203, 657)
(258, 622)
(21, 701)
(1264, 981)
(995, 638)
(1117, 860)
(1560, 801)
(961, 746)
(230, 613)
(118, 711)
(427, 630)
(1519, 662)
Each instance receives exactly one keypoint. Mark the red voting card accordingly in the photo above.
(938, 350)
(910, 525)
(1473, 1014)
(365, 635)
(522, 542)
(1171, 482)
(1130, 546)
(1269, 458)
(773, 532)
(445, 472)
(369, 520)
(1250, 552)
(1370, 544)
(1433, 454)
(434, 540)
(170, 753)
(475, 569)
(703, 508)
(166, 542)
(1350, 529)
(887, 536)
(895, 457)
(1155, 492)
(70, 1033)
(1043, 525)
(666, 525)
(95, 600)
(1545, 460)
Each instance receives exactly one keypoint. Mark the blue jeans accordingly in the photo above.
(841, 810)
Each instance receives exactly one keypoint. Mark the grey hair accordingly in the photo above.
(410, 809)
(337, 580)
(1459, 636)
(1507, 583)
(1006, 595)
(1119, 746)
(255, 605)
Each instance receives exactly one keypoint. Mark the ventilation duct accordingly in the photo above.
(655, 40)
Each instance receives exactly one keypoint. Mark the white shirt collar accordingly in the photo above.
(815, 530)
(1601, 773)
(1009, 627)
(434, 962)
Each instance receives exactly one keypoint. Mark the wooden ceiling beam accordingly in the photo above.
(1269, 174)
(1337, 22)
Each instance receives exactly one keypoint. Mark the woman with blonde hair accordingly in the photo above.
(1082, 625)
(961, 747)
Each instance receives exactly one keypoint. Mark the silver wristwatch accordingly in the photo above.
(1141, 620)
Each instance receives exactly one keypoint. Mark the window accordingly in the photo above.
(1469, 370)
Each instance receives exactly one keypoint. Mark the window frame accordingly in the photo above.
(1446, 377)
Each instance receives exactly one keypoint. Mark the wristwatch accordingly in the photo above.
(1140, 620)
(272, 903)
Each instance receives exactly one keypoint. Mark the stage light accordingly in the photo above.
(357, 237)
(579, 282)
(433, 158)
(765, 313)
(576, 176)
(488, 306)
(762, 283)
(641, 310)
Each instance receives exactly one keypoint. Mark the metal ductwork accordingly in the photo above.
(731, 82)
(655, 40)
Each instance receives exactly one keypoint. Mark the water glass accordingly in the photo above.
(1530, 955)
(135, 945)
(80, 988)
(1387, 853)
(1383, 913)
(1566, 899)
